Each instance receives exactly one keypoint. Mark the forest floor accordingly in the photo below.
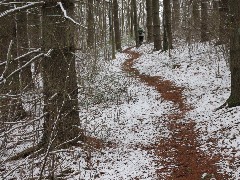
(147, 115)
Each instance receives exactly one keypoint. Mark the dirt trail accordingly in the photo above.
(187, 163)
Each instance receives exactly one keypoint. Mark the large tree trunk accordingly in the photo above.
(234, 99)
(10, 103)
(204, 21)
(156, 26)
(223, 25)
(116, 26)
(59, 75)
(149, 21)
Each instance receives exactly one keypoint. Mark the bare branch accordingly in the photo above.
(28, 6)
(66, 16)
(25, 65)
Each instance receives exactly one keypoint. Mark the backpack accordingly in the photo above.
(140, 31)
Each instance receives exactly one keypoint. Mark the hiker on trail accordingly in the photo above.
(141, 35)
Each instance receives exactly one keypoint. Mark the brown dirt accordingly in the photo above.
(186, 161)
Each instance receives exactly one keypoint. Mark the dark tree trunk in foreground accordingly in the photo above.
(223, 25)
(204, 21)
(234, 99)
(156, 26)
(116, 26)
(10, 104)
(59, 75)
(149, 21)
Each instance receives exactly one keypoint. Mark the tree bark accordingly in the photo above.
(167, 25)
(156, 26)
(59, 75)
(234, 99)
(90, 25)
(204, 21)
(149, 21)
(175, 15)
(116, 26)
(134, 9)
(223, 25)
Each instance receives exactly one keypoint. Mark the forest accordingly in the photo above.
(120, 89)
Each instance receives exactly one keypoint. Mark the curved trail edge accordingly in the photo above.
(187, 162)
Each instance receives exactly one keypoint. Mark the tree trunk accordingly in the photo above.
(90, 25)
(234, 99)
(134, 9)
(167, 25)
(215, 19)
(116, 26)
(223, 25)
(59, 75)
(156, 26)
(149, 21)
(196, 18)
(175, 15)
(111, 29)
(204, 21)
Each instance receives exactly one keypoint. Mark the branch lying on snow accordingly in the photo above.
(66, 16)
(31, 5)
(3, 79)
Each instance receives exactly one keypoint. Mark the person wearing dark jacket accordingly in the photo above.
(141, 35)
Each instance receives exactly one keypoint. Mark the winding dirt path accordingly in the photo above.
(187, 163)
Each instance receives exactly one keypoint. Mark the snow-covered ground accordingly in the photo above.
(203, 70)
(125, 113)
